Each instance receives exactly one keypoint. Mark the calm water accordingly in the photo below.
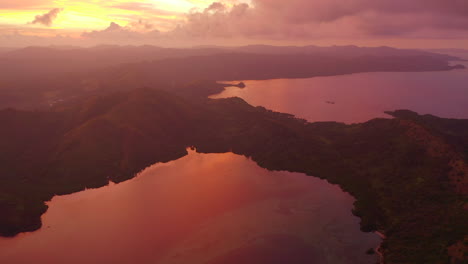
(360, 97)
(223, 208)
(203, 208)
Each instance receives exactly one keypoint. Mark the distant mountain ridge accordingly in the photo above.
(69, 59)
(37, 77)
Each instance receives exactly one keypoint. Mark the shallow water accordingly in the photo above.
(360, 97)
(203, 208)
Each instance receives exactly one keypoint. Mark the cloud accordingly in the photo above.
(48, 18)
(129, 33)
(331, 10)
(112, 30)
(141, 24)
(217, 20)
(216, 7)
(306, 19)
(366, 16)
(296, 21)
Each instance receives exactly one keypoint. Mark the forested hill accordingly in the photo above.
(408, 174)
(37, 77)
(249, 66)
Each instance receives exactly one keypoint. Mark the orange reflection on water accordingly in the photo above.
(203, 208)
(356, 98)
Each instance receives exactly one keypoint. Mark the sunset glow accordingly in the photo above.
(233, 131)
(438, 24)
(96, 14)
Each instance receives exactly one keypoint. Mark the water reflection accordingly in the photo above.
(360, 97)
(203, 208)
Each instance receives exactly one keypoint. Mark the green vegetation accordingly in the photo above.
(408, 174)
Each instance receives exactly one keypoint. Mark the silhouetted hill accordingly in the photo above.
(453, 52)
(50, 61)
(343, 51)
(408, 174)
(36, 77)
(242, 66)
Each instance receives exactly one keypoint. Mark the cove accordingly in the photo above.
(202, 208)
(357, 98)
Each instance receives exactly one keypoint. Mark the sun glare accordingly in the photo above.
(97, 14)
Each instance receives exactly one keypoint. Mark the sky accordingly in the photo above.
(400, 23)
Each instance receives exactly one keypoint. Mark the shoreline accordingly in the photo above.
(378, 250)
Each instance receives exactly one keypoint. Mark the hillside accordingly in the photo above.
(408, 174)
(38, 61)
(37, 77)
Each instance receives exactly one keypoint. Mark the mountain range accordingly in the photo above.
(37, 77)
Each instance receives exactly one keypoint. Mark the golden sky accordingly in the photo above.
(415, 23)
(77, 16)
